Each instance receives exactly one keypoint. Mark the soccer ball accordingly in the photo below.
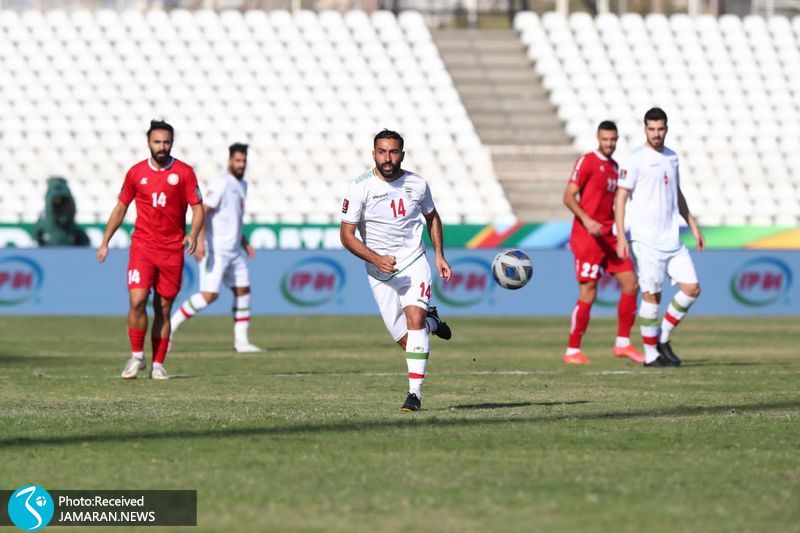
(512, 269)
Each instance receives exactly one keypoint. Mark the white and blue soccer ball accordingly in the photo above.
(512, 269)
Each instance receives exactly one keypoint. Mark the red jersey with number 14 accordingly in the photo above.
(162, 196)
(596, 175)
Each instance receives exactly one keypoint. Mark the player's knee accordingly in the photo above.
(139, 306)
(692, 291)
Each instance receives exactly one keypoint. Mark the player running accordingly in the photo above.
(650, 177)
(593, 244)
(227, 250)
(162, 187)
(390, 207)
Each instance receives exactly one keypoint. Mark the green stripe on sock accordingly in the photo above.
(189, 302)
(648, 321)
(241, 308)
(678, 306)
(412, 355)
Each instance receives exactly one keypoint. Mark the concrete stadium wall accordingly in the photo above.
(71, 282)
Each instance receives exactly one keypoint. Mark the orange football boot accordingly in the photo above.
(628, 352)
(577, 359)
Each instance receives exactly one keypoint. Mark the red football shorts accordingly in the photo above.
(159, 269)
(595, 253)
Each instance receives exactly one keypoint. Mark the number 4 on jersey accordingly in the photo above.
(398, 209)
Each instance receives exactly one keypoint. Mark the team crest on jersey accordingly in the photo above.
(602, 168)
(173, 179)
(143, 181)
(409, 194)
(666, 178)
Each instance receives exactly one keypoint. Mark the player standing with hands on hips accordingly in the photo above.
(390, 206)
(223, 250)
(162, 187)
(650, 177)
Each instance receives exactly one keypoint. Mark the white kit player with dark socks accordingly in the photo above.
(225, 250)
(650, 177)
(390, 208)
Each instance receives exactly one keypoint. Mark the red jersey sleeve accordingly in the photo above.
(581, 172)
(193, 195)
(128, 191)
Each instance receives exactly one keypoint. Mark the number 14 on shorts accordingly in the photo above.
(134, 276)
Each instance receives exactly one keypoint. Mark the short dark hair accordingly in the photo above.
(607, 125)
(388, 134)
(160, 125)
(237, 148)
(655, 113)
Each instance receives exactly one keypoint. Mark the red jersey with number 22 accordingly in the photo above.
(596, 176)
(162, 196)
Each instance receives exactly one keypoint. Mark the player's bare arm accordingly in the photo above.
(571, 201)
(683, 209)
(384, 263)
(248, 248)
(436, 234)
(200, 248)
(620, 200)
(114, 222)
(198, 220)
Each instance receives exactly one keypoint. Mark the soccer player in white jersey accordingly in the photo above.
(650, 177)
(390, 207)
(224, 251)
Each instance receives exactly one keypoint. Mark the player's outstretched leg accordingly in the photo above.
(241, 325)
(626, 316)
(190, 307)
(436, 325)
(417, 349)
(676, 311)
(573, 355)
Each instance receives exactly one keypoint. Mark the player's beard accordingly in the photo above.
(236, 174)
(162, 157)
(384, 173)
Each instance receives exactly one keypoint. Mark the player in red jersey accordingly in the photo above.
(594, 180)
(162, 187)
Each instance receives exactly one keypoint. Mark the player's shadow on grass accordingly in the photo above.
(717, 362)
(514, 404)
(437, 421)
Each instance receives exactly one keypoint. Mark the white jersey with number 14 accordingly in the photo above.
(389, 215)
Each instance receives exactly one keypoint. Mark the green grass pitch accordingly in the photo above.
(309, 436)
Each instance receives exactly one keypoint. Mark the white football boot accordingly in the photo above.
(247, 348)
(132, 367)
(158, 372)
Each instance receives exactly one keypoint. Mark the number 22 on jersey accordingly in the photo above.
(398, 209)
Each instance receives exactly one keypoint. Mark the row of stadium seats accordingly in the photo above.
(306, 90)
(730, 86)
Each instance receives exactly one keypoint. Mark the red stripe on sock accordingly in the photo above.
(184, 313)
(246, 319)
(412, 375)
(671, 319)
(650, 341)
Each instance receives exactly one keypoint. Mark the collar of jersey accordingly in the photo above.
(152, 167)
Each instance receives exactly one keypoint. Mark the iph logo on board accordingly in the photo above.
(761, 281)
(469, 285)
(20, 279)
(312, 282)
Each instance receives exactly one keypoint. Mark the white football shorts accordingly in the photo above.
(652, 264)
(410, 286)
(218, 268)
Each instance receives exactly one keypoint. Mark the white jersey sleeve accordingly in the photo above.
(628, 172)
(214, 192)
(427, 206)
(353, 203)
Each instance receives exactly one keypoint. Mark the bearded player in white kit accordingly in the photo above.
(390, 207)
(650, 177)
(223, 250)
